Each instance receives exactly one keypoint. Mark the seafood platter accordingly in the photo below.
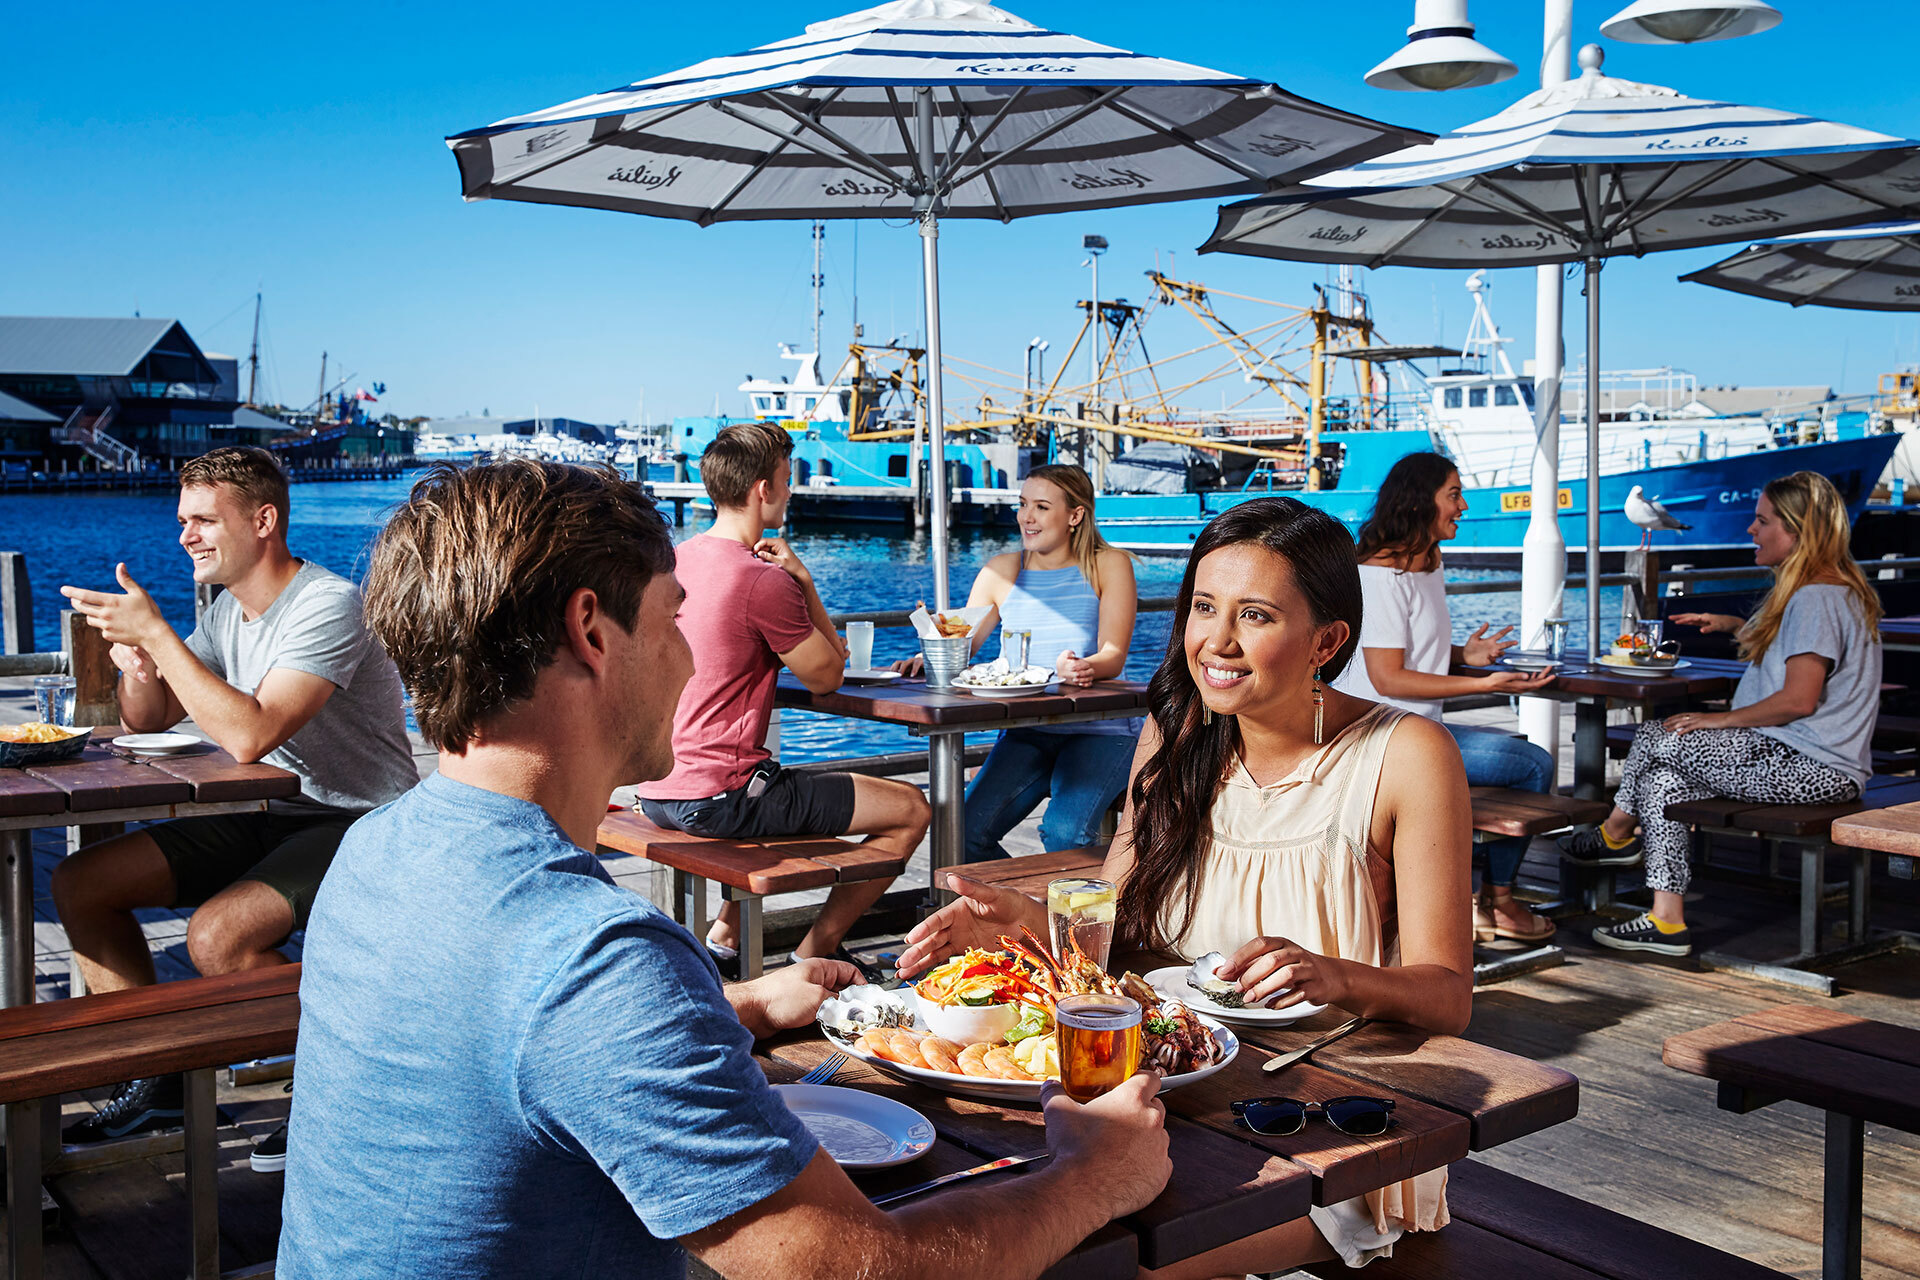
(995, 680)
(981, 1025)
(1200, 984)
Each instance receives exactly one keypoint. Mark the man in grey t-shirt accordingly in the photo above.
(281, 669)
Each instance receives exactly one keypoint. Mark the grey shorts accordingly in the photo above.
(794, 804)
(286, 852)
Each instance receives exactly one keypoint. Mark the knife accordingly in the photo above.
(1005, 1162)
(1285, 1060)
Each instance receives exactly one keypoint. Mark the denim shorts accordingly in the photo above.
(794, 804)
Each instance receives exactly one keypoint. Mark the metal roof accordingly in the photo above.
(13, 409)
(84, 346)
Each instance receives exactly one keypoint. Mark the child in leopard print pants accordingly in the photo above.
(1666, 768)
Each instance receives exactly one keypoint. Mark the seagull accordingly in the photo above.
(1649, 515)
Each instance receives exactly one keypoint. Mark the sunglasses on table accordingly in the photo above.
(1352, 1114)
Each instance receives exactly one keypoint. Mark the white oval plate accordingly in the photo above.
(1028, 1091)
(155, 744)
(859, 1130)
(1628, 664)
(1007, 690)
(1531, 664)
(1171, 982)
(869, 675)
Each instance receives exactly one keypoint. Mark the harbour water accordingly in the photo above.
(77, 539)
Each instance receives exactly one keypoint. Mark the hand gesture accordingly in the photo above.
(1074, 669)
(1516, 681)
(1709, 623)
(1116, 1145)
(791, 996)
(1267, 966)
(975, 919)
(775, 551)
(1687, 721)
(1483, 650)
(134, 661)
(131, 619)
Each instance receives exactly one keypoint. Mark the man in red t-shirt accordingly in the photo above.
(752, 608)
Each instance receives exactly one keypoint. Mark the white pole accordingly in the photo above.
(1543, 554)
(1093, 383)
(927, 205)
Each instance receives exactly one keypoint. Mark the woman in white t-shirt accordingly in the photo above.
(1407, 648)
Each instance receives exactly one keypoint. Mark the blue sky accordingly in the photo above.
(177, 157)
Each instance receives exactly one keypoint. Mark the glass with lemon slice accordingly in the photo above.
(1080, 914)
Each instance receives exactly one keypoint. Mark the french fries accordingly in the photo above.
(35, 731)
(950, 624)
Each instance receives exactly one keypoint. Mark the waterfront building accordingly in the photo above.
(121, 387)
(25, 433)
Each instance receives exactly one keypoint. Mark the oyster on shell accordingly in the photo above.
(1201, 977)
(862, 1008)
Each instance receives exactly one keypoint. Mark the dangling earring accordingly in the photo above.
(1206, 714)
(1319, 707)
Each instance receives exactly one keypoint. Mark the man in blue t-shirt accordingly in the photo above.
(510, 1067)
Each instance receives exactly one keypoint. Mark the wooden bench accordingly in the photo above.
(1809, 829)
(1510, 1228)
(1500, 813)
(192, 1027)
(745, 870)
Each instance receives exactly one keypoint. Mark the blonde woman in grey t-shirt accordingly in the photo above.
(1800, 728)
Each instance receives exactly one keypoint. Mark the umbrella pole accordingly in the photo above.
(1593, 456)
(936, 401)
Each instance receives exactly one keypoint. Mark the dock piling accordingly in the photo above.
(16, 604)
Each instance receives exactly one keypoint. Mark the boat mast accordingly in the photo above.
(320, 403)
(253, 359)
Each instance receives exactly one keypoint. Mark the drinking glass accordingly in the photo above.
(1099, 1040)
(53, 699)
(1080, 915)
(1013, 648)
(860, 646)
(1647, 633)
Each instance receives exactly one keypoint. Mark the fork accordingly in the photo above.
(825, 1070)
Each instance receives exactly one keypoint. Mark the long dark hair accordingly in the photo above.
(1174, 790)
(1404, 511)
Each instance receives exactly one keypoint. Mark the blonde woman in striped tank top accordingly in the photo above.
(1075, 596)
(1319, 840)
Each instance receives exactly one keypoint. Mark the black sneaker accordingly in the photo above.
(138, 1106)
(1642, 934)
(1586, 847)
(270, 1153)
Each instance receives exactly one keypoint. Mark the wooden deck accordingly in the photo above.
(1649, 1141)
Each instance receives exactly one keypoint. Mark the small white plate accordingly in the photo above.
(1628, 664)
(869, 675)
(1519, 663)
(1007, 690)
(1171, 982)
(859, 1130)
(155, 744)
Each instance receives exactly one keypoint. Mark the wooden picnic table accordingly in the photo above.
(1451, 1096)
(1595, 688)
(1854, 1069)
(944, 718)
(100, 786)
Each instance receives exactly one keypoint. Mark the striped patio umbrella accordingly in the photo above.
(1581, 172)
(920, 109)
(1871, 268)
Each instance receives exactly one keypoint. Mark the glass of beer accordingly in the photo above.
(1099, 1038)
(1080, 914)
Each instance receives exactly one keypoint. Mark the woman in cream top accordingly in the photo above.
(1328, 866)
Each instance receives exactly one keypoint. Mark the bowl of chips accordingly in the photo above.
(37, 742)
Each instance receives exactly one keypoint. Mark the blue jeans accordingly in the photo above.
(1494, 759)
(1082, 772)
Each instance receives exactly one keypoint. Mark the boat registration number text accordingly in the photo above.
(1523, 501)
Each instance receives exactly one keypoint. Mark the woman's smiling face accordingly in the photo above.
(1250, 639)
(1046, 517)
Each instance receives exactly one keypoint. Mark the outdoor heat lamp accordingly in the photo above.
(1441, 53)
(1689, 21)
